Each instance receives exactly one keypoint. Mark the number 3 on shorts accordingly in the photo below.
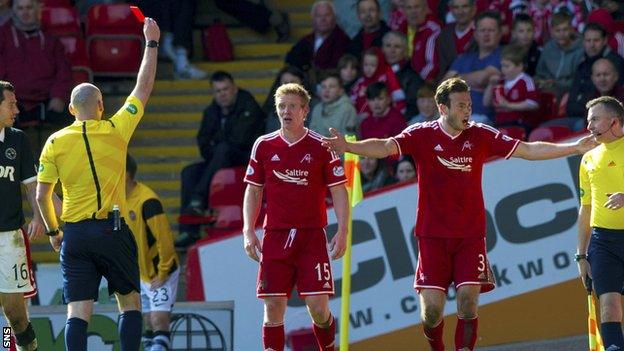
(324, 273)
(481, 267)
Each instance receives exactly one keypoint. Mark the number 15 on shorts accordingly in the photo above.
(323, 272)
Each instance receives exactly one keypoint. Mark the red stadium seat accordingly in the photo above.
(114, 40)
(549, 133)
(61, 21)
(515, 132)
(53, 3)
(76, 51)
(548, 108)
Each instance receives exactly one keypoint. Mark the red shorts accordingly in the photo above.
(442, 261)
(294, 257)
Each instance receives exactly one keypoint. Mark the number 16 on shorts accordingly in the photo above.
(6, 337)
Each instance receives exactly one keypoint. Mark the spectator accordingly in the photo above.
(605, 80)
(456, 38)
(422, 31)
(35, 63)
(515, 99)
(541, 11)
(560, 57)
(374, 174)
(476, 67)
(375, 69)
(288, 74)
(578, 10)
(395, 52)
(321, 49)
(507, 9)
(428, 110)
(5, 11)
(397, 15)
(405, 169)
(335, 109)
(522, 36)
(258, 15)
(595, 47)
(373, 28)
(615, 8)
(614, 35)
(349, 70)
(385, 120)
(176, 18)
(229, 126)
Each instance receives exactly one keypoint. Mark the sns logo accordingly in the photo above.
(6, 337)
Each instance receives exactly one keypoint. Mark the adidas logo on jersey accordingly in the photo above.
(327, 285)
(275, 158)
(438, 148)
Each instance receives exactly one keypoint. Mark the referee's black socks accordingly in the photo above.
(130, 327)
(612, 337)
(76, 334)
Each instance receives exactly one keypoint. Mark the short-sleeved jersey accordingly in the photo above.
(601, 173)
(89, 158)
(295, 177)
(148, 222)
(17, 166)
(521, 88)
(450, 196)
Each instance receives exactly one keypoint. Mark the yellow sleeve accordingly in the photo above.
(47, 172)
(584, 185)
(128, 117)
(156, 220)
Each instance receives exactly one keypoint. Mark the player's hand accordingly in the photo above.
(338, 245)
(57, 105)
(615, 201)
(150, 29)
(336, 142)
(585, 144)
(56, 241)
(35, 229)
(157, 283)
(252, 245)
(584, 272)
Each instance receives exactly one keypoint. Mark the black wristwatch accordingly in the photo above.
(54, 232)
(578, 257)
(152, 44)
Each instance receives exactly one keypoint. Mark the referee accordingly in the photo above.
(88, 158)
(600, 250)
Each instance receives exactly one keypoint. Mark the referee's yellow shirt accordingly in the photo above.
(89, 158)
(602, 173)
(148, 222)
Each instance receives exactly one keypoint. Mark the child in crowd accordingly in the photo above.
(385, 121)
(522, 35)
(349, 70)
(427, 108)
(516, 98)
(375, 69)
(335, 109)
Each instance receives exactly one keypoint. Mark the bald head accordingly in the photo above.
(604, 76)
(86, 102)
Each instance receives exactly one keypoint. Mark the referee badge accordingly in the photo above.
(132, 215)
(10, 153)
(132, 109)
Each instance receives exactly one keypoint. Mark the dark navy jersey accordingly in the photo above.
(17, 166)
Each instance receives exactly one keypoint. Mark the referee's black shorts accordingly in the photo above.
(92, 249)
(606, 258)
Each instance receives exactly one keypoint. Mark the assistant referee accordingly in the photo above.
(88, 158)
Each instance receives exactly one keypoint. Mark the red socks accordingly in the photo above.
(466, 333)
(434, 336)
(273, 337)
(326, 337)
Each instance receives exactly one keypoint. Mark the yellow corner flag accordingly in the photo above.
(595, 340)
(354, 188)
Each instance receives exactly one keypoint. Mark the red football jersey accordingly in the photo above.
(295, 177)
(463, 40)
(521, 88)
(450, 197)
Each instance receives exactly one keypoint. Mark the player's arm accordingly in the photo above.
(584, 231)
(48, 214)
(338, 244)
(251, 207)
(156, 221)
(147, 71)
(377, 148)
(541, 150)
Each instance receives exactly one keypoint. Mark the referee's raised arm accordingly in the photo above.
(147, 72)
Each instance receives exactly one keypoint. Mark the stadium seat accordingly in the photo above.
(548, 108)
(515, 132)
(61, 21)
(76, 51)
(549, 133)
(114, 40)
(55, 3)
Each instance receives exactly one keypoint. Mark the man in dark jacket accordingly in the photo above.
(228, 129)
(373, 28)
